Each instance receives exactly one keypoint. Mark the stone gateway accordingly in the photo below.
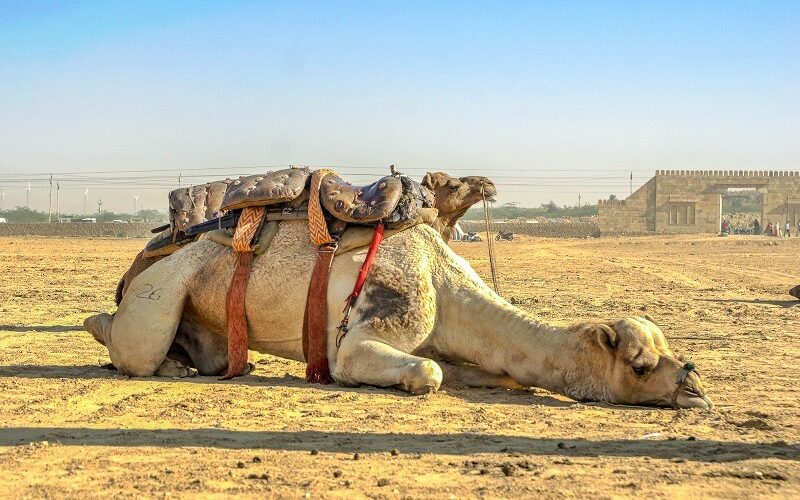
(690, 201)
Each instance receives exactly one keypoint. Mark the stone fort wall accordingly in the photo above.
(690, 201)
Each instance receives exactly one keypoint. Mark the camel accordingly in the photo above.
(424, 317)
(454, 196)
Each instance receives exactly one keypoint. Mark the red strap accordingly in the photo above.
(377, 237)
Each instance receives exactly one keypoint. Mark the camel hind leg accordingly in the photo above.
(99, 326)
(139, 335)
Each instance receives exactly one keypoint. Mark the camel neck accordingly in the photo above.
(478, 326)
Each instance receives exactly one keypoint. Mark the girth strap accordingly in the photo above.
(247, 229)
(315, 321)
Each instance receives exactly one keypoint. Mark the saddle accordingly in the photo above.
(331, 204)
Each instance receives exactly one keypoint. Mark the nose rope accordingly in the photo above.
(683, 374)
(487, 212)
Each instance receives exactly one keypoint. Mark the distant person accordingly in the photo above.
(756, 227)
(787, 231)
(768, 230)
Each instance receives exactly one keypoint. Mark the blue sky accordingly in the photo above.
(551, 98)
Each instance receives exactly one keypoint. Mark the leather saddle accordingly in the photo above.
(360, 204)
(392, 199)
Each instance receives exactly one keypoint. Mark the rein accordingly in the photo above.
(683, 374)
(487, 211)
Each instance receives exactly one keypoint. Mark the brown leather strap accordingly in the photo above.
(315, 321)
(236, 316)
(247, 229)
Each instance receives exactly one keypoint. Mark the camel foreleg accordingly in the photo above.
(474, 376)
(373, 362)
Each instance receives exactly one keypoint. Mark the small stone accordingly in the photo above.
(561, 446)
(356, 456)
(484, 472)
(337, 473)
(240, 465)
(691, 438)
(256, 460)
(395, 452)
(508, 469)
(315, 452)
(383, 482)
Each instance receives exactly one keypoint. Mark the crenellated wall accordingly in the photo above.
(689, 201)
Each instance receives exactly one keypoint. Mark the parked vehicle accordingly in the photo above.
(504, 235)
(471, 237)
(89, 219)
(3, 220)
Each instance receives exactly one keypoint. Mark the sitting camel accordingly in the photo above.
(424, 316)
(453, 196)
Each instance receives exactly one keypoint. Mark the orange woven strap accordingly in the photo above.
(246, 228)
(317, 227)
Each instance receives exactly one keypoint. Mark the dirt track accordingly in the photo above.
(71, 428)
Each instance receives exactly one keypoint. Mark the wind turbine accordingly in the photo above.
(2, 199)
(28, 195)
(135, 200)
(85, 198)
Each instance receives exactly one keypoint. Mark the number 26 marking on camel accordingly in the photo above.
(149, 293)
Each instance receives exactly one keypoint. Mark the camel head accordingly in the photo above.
(642, 369)
(454, 195)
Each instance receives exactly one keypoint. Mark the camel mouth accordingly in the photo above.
(491, 198)
(693, 399)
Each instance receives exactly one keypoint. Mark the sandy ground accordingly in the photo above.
(71, 428)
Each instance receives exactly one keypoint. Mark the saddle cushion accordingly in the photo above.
(268, 189)
(360, 204)
(193, 205)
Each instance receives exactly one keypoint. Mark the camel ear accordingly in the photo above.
(649, 318)
(606, 337)
(434, 179)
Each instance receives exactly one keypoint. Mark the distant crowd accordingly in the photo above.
(771, 229)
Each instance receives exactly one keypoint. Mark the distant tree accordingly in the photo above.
(23, 215)
(550, 207)
(612, 197)
(151, 215)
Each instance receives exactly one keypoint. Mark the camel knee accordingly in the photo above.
(422, 377)
(99, 326)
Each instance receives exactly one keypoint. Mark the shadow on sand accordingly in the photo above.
(765, 302)
(484, 396)
(461, 443)
(41, 328)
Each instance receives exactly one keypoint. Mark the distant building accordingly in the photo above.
(690, 201)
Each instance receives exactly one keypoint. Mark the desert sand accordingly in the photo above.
(69, 427)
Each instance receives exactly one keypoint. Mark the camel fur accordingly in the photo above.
(424, 317)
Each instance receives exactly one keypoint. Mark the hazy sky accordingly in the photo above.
(551, 99)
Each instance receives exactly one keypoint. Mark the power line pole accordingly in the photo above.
(50, 202)
(179, 180)
(58, 212)
(631, 186)
(99, 207)
(579, 200)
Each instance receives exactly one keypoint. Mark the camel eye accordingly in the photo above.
(640, 371)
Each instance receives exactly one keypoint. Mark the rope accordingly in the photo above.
(317, 227)
(487, 211)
